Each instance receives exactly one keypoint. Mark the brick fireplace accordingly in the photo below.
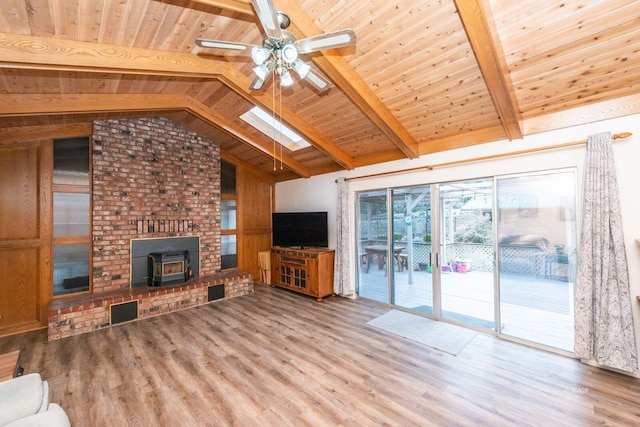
(151, 179)
(149, 173)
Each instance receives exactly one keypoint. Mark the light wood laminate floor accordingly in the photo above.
(277, 358)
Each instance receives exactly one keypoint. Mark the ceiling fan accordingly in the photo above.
(280, 50)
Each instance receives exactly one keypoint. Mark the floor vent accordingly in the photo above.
(123, 312)
(215, 292)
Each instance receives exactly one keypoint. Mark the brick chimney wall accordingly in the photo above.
(151, 171)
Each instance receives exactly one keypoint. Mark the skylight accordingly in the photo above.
(274, 129)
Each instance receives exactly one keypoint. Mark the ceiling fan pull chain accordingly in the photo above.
(273, 115)
(280, 112)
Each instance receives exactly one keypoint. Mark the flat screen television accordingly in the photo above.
(300, 229)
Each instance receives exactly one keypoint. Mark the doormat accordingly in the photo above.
(439, 335)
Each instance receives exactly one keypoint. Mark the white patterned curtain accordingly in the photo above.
(604, 329)
(342, 284)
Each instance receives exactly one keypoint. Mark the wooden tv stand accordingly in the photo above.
(308, 271)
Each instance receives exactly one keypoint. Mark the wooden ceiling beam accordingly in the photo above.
(28, 52)
(50, 104)
(254, 170)
(214, 118)
(478, 23)
(31, 104)
(461, 140)
(10, 136)
(239, 6)
(338, 69)
(591, 113)
(17, 51)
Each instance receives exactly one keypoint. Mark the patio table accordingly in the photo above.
(380, 252)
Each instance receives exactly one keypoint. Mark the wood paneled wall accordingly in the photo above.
(255, 199)
(25, 235)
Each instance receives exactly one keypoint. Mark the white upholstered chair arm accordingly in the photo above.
(21, 397)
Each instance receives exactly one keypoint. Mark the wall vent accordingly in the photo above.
(215, 292)
(123, 312)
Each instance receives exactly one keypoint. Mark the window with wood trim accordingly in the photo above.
(228, 215)
(71, 216)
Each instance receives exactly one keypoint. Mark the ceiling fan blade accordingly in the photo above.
(327, 41)
(266, 12)
(224, 44)
(259, 83)
(319, 81)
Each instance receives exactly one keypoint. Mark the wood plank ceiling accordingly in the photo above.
(424, 76)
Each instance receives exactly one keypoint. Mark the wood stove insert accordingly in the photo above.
(168, 268)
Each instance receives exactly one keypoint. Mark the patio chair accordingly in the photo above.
(403, 262)
(364, 262)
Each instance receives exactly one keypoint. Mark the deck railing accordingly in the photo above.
(514, 259)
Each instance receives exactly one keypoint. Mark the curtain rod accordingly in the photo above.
(477, 159)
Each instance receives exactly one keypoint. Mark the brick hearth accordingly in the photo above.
(90, 312)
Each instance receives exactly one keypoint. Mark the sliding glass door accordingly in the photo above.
(537, 257)
(372, 245)
(466, 253)
(495, 254)
(412, 278)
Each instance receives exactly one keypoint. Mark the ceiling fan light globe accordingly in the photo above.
(289, 53)
(259, 55)
(286, 80)
(301, 68)
(261, 71)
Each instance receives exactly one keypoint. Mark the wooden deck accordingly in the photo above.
(276, 358)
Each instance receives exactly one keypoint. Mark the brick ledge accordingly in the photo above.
(88, 312)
